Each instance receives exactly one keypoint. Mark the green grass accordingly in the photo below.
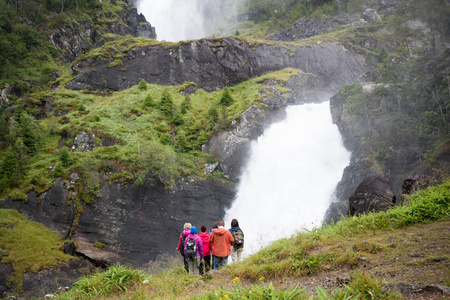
(28, 246)
(148, 142)
(305, 255)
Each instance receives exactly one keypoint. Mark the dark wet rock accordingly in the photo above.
(69, 248)
(373, 194)
(6, 270)
(52, 208)
(53, 279)
(129, 224)
(416, 183)
(214, 63)
(139, 224)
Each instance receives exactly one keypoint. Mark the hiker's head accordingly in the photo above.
(221, 223)
(234, 223)
(215, 225)
(187, 226)
(193, 229)
(203, 228)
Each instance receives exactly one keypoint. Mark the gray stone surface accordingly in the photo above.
(214, 63)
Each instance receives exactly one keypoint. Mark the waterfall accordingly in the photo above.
(177, 20)
(290, 178)
(174, 20)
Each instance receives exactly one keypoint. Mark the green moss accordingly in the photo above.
(28, 246)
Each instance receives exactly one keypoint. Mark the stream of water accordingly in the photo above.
(290, 178)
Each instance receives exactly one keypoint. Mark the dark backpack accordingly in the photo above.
(190, 250)
(238, 236)
(183, 238)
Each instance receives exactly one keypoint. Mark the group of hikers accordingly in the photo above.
(201, 250)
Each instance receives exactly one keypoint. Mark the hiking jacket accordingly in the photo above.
(221, 240)
(233, 229)
(184, 233)
(198, 244)
(205, 240)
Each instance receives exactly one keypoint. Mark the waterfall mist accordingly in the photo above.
(176, 20)
(290, 178)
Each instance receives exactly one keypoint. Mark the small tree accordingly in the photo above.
(166, 104)
(178, 119)
(185, 105)
(64, 157)
(148, 101)
(181, 145)
(226, 99)
(213, 116)
(142, 85)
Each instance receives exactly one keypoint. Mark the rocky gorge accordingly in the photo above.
(136, 223)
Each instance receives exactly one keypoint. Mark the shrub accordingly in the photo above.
(64, 157)
(142, 85)
(148, 101)
(166, 104)
(226, 99)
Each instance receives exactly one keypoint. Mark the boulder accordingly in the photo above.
(373, 194)
(416, 183)
(83, 142)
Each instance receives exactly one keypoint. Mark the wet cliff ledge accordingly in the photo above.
(210, 63)
(128, 224)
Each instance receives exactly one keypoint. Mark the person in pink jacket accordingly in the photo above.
(183, 235)
(194, 255)
(206, 265)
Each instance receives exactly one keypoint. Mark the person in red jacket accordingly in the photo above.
(206, 265)
(221, 240)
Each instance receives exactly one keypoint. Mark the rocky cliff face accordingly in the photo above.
(215, 63)
(132, 224)
(76, 39)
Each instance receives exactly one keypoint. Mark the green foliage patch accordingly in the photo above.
(28, 246)
(157, 132)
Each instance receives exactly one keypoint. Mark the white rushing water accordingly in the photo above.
(174, 20)
(177, 20)
(290, 178)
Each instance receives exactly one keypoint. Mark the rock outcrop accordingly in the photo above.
(307, 27)
(79, 38)
(373, 194)
(129, 224)
(214, 63)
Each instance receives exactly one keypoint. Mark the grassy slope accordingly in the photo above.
(407, 244)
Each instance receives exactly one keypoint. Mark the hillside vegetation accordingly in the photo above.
(365, 254)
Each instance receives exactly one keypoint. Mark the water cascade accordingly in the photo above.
(290, 177)
(177, 20)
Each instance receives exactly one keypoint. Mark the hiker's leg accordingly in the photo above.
(197, 266)
(186, 267)
(234, 254)
(207, 263)
(239, 254)
(216, 262)
(191, 264)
